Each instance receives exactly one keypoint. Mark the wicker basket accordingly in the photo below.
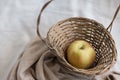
(66, 31)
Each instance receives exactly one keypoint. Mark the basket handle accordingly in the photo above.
(39, 17)
(116, 12)
(46, 4)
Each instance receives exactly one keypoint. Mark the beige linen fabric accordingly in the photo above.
(37, 62)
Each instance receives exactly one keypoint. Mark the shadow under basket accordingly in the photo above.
(64, 32)
(60, 36)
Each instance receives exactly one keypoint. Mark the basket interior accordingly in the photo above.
(66, 31)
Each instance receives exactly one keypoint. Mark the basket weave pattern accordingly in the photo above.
(66, 31)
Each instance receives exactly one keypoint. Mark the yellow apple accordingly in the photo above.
(81, 54)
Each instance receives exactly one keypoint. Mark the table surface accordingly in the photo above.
(18, 23)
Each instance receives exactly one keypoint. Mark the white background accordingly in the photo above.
(18, 23)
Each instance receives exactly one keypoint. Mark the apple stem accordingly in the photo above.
(82, 47)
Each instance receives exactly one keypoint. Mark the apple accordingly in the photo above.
(81, 54)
